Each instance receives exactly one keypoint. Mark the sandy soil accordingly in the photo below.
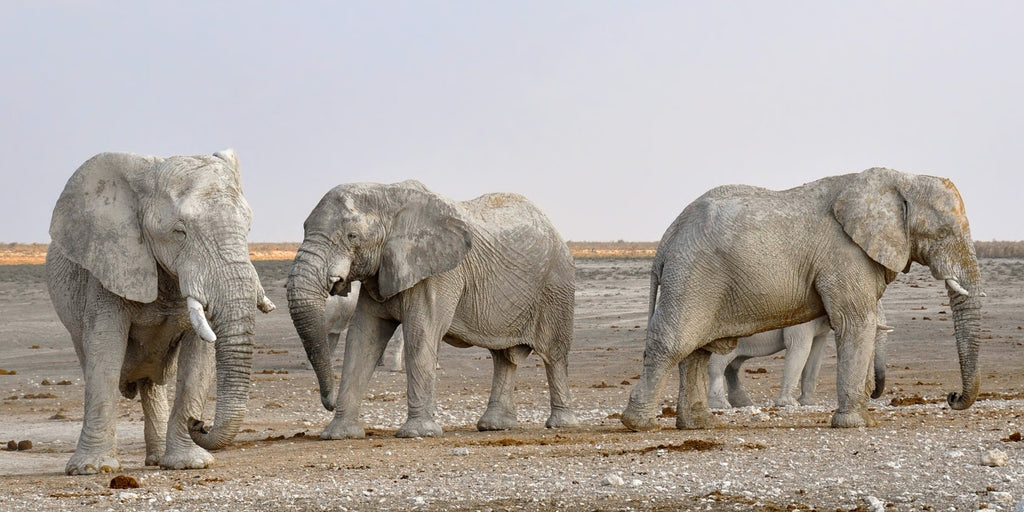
(920, 457)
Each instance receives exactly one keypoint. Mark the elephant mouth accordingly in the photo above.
(341, 287)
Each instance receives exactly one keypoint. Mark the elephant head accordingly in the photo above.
(388, 237)
(151, 228)
(899, 218)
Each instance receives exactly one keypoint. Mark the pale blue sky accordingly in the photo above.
(611, 116)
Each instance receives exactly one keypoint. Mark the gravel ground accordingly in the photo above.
(922, 456)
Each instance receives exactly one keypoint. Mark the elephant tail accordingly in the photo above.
(655, 284)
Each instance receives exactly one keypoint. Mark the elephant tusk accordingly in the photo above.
(197, 315)
(884, 328)
(954, 285)
(265, 304)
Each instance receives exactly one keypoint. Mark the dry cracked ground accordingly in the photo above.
(921, 456)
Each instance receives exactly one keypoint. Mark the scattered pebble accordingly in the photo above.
(875, 504)
(613, 479)
(460, 451)
(994, 458)
(1000, 497)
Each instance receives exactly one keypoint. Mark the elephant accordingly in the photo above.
(741, 259)
(489, 272)
(149, 272)
(804, 345)
(337, 314)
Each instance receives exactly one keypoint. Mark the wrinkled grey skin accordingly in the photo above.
(338, 312)
(804, 345)
(489, 272)
(133, 238)
(741, 260)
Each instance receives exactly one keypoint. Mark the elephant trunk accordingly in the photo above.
(307, 299)
(233, 319)
(967, 325)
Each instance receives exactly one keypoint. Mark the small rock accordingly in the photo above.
(419, 501)
(24, 445)
(636, 483)
(460, 451)
(875, 504)
(613, 479)
(1020, 506)
(994, 458)
(125, 496)
(1000, 497)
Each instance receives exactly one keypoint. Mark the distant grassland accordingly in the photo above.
(34, 254)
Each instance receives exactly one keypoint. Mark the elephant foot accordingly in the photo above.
(497, 418)
(194, 457)
(90, 464)
(420, 427)
(807, 401)
(343, 429)
(634, 421)
(153, 459)
(853, 419)
(787, 401)
(697, 418)
(718, 402)
(741, 399)
(560, 418)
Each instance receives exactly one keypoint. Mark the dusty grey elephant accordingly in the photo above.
(804, 345)
(149, 271)
(489, 272)
(741, 260)
(337, 314)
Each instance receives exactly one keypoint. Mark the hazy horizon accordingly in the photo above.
(612, 117)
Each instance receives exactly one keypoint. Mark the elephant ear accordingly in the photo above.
(427, 238)
(873, 212)
(97, 225)
(229, 156)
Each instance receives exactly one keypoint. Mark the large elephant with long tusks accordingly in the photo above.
(741, 260)
(489, 272)
(149, 271)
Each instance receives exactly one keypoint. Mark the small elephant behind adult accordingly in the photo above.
(804, 345)
(337, 313)
(489, 272)
(149, 271)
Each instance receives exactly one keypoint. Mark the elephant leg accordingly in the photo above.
(196, 371)
(501, 408)
(557, 370)
(738, 396)
(105, 334)
(365, 342)
(854, 347)
(717, 395)
(667, 344)
(692, 410)
(809, 377)
(155, 413)
(421, 346)
(397, 361)
(797, 351)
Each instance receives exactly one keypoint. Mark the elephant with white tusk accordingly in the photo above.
(149, 272)
(489, 272)
(804, 345)
(741, 260)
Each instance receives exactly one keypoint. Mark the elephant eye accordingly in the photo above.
(352, 237)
